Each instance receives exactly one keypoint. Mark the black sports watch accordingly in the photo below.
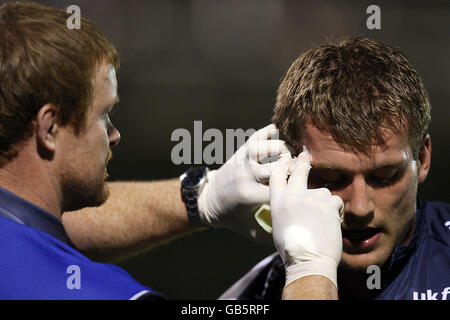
(192, 182)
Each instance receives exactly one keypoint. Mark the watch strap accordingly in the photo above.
(190, 195)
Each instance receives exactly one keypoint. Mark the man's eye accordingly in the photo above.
(384, 177)
(385, 173)
(326, 178)
(330, 175)
(112, 111)
(108, 114)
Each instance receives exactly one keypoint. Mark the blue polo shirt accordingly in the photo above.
(37, 261)
(419, 270)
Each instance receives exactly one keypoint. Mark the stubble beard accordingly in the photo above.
(83, 191)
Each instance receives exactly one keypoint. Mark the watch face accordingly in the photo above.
(193, 177)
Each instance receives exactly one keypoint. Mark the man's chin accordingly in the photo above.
(103, 195)
(93, 198)
(100, 197)
(360, 262)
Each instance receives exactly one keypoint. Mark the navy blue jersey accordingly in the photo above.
(37, 262)
(419, 270)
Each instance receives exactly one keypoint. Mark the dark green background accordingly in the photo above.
(220, 62)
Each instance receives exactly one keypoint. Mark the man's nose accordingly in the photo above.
(358, 201)
(114, 136)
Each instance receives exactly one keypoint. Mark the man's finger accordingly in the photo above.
(279, 175)
(263, 172)
(261, 194)
(266, 133)
(259, 150)
(300, 172)
(338, 204)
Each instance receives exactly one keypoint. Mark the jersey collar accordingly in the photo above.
(22, 211)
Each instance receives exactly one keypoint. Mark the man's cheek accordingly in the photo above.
(395, 212)
(397, 195)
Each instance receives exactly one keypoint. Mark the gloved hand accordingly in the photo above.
(306, 223)
(234, 191)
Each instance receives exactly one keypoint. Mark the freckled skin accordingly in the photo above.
(83, 158)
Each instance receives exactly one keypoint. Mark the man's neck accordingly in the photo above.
(29, 179)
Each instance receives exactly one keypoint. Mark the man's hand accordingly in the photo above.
(234, 191)
(140, 215)
(306, 223)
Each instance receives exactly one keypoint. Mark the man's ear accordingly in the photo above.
(46, 128)
(424, 158)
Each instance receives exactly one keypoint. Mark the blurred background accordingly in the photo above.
(220, 61)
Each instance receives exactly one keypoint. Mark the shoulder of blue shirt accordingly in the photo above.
(35, 265)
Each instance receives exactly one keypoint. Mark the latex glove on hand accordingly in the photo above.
(234, 191)
(306, 223)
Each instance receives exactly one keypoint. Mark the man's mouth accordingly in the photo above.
(360, 240)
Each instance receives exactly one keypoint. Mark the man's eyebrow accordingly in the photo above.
(332, 166)
(398, 164)
(328, 166)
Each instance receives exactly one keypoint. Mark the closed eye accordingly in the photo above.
(112, 111)
(327, 178)
(384, 177)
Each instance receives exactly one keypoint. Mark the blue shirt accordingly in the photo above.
(37, 261)
(419, 270)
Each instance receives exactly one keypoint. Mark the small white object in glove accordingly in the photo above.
(306, 223)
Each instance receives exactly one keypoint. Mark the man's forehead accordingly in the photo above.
(326, 152)
(110, 75)
(106, 83)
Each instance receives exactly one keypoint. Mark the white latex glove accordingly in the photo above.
(306, 223)
(234, 191)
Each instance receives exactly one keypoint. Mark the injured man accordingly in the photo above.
(344, 212)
